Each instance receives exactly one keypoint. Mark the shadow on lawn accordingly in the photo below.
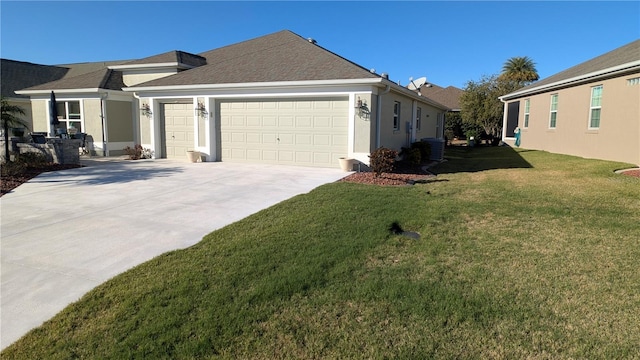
(109, 173)
(474, 159)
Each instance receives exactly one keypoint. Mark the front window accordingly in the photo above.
(419, 119)
(526, 113)
(69, 115)
(554, 111)
(396, 115)
(596, 107)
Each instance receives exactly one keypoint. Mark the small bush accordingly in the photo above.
(382, 160)
(138, 152)
(412, 155)
(425, 149)
(22, 162)
(31, 159)
(12, 168)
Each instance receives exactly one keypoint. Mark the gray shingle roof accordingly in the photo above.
(449, 96)
(17, 75)
(620, 56)
(103, 79)
(281, 56)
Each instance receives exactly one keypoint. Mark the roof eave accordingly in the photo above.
(593, 76)
(61, 91)
(153, 66)
(255, 85)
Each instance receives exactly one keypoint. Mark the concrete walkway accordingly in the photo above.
(64, 233)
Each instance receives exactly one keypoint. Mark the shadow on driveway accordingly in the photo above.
(474, 159)
(110, 173)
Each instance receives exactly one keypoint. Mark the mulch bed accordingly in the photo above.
(635, 173)
(12, 181)
(402, 175)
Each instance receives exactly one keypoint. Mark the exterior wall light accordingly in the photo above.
(145, 110)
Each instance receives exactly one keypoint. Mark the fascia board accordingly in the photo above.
(58, 91)
(574, 80)
(257, 85)
(85, 93)
(259, 93)
(152, 66)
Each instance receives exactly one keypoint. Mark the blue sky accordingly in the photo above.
(448, 42)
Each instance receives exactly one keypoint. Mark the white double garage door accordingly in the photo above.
(308, 132)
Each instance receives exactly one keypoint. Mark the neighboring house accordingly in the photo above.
(16, 75)
(449, 96)
(278, 98)
(591, 110)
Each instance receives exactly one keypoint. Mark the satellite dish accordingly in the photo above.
(417, 83)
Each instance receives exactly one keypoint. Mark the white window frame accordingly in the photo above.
(633, 81)
(553, 111)
(593, 107)
(65, 118)
(418, 119)
(527, 107)
(396, 115)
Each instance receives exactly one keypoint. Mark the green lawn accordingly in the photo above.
(523, 254)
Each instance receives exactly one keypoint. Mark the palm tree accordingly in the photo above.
(520, 69)
(9, 120)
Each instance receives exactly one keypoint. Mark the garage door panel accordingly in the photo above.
(304, 139)
(339, 140)
(285, 132)
(253, 121)
(304, 121)
(323, 140)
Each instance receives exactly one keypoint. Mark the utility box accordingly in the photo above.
(437, 148)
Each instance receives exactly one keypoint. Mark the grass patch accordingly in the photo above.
(523, 254)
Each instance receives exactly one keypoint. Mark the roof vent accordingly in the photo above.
(373, 71)
(311, 40)
(385, 76)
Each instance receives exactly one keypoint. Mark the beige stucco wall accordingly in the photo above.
(25, 105)
(92, 115)
(364, 135)
(396, 139)
(40, 116)
(618, 137)
(131, 78)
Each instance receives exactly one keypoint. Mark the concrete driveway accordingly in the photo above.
(64, 233)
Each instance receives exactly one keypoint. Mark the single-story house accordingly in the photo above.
(278, 98)
(591, 110)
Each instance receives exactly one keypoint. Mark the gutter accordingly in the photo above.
(379, 114)
(576, 80)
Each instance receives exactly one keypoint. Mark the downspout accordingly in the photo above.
(379, 115)
(103, 111)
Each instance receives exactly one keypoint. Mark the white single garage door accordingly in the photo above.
(178, 130)
(309, 132)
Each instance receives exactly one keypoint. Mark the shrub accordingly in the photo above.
(138, 152)
(412, 155)
(382, 160)
(31, 159)
(425, 149)
(22, 162)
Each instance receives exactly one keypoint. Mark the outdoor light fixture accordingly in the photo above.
(202, 111)
(145, 110)
(363, 109)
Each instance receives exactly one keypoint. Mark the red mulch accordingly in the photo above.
(401, 176)
(635, 173)
(12, 181)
